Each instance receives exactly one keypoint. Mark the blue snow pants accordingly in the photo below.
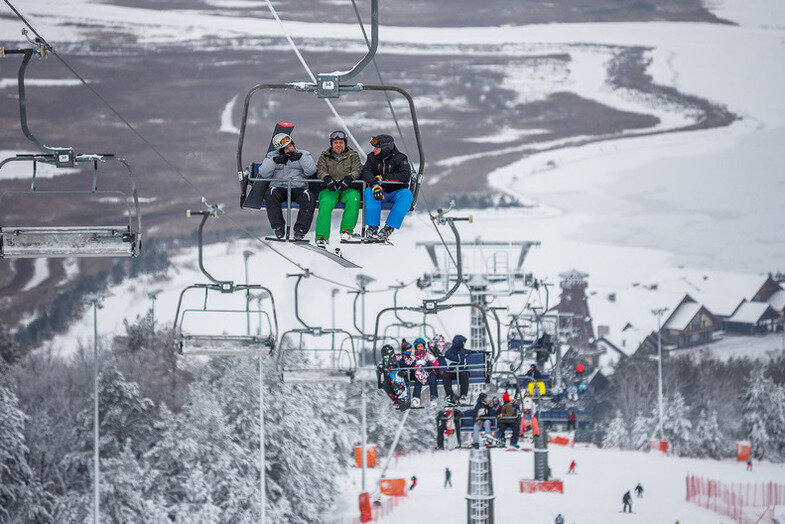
(401, 200)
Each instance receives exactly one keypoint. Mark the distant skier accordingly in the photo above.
(626, 501)
(559, 519)
(393, 380)
(571, 471)
(447, 477)
(414, 483)
(749, 463)
(639, 490)
(571, 421)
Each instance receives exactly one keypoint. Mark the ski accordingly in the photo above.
(338, 259)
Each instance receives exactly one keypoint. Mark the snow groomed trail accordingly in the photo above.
(592, 496)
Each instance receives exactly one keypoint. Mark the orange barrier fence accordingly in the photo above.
(370, 456)
(744, 503)
(381, 510)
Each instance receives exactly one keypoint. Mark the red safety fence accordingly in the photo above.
(382, 510)
(744, 503)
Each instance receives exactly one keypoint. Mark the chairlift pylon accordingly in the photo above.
(189, 343)
(80, 240)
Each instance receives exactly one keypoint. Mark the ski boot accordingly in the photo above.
(299, 233)
(280, 232)
(371, 233)
(321, 242)
(384, 234)
(347, 236)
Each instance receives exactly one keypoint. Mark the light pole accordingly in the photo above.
(362, 283)
(153, 296)
(262, 473)
(96, 302)
(246, 255)
(659, 312)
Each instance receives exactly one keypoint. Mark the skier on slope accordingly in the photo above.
(447, 477)
(392, 379)
(626, 501)
(639, 490)
(571, 471)
(424, 372)
(337, 168)
(386, 164)
(286, 164)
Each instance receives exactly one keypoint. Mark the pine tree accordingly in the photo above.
(676, 424)
(617, 435)
(643, 430)
(21, 496)
(708, 439)
(757, 410)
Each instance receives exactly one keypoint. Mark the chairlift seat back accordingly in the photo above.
(317, 376)
(223, 345)
(68, 241)
(477, 368)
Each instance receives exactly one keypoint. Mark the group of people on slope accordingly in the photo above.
(508, 414)
(423, 363)
(386, 173)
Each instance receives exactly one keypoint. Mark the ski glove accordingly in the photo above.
(378, 193)
(280, 159)
(295, 156)
(346, 183)
(330, 184)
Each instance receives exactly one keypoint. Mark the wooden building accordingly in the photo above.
(688, 325)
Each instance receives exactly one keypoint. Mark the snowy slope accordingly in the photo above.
(592, 496)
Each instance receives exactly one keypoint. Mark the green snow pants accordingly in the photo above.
(327, 201)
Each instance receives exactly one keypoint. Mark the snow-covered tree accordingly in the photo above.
(676, 424)
(22, 498)
(764, 416)
(708, 440)
(643, 430)
(617, 434)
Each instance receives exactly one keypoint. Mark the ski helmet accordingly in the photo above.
(338, 135)
(281, 140)
(384, 142)
(418, 341)
(388, 355)
(405, 346)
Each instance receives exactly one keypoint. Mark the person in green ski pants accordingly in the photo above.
(337, 168)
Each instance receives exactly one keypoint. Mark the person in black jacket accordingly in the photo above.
(454, 362)
(483, 416)
(387, 173)
(626, 501)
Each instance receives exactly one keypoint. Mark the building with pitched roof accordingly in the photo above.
(689, 324)
(752, 318)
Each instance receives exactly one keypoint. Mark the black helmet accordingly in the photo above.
(384, 142)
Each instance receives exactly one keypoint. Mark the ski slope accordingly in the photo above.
(592, 496)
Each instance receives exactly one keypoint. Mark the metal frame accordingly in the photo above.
(66, 241)
(221, 345)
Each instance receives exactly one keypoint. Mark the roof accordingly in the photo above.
(683, 315)
(777, 300)
(750, 312)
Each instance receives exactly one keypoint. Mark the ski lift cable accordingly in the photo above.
(158, 153)
(398, 126)
(313, 78)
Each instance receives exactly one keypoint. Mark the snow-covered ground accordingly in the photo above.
(593, 495)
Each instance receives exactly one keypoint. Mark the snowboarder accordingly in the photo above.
(483, 415)
(559, 519)
(447, 477)
(571, 471)
(536, 377)
(626, 503)
(414, 483)
(455, 367)
(424, 372)
(286, 164)
(571, 421)
(393, 379)
(508, 418)
(639, 490)
(749, 463)
(337, 168)
(389, 166)
(448, 422)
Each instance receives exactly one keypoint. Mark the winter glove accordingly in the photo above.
(346, 182)
(280, 159)
(378, 193)
(330, 184)
(295, 156)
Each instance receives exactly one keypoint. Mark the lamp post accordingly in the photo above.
(246, 255)
(658, 313)
(96, 302)
(153, 296)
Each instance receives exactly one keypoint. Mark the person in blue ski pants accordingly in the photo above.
(387, 173)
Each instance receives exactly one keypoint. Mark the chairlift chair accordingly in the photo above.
(327, 85)
(35, 241)
(191, 344)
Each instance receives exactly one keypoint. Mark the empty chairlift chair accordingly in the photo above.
(243, 331)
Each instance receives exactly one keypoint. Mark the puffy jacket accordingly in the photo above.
(394, 167)
(481, 409)
(339, 166)
(456, 355)
(295, 170)
(508, 411)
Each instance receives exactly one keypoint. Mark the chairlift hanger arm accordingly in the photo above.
(225, 285)
(339, 76)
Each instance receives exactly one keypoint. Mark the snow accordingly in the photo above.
(40, 274)
(732, 346)
(777, 300)
(227, 126)
(592, 495)
(681, 318)
(39, 82)
(749, 312)
(24, 170)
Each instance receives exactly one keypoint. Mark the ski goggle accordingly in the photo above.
(283, 142)
(337, 135)
(374, 141)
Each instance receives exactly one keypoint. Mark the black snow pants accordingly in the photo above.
(514, 425)
(463, 379)
(275, 196)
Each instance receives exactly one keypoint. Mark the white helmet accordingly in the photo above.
(281, 140)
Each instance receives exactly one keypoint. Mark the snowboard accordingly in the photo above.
(255, 198)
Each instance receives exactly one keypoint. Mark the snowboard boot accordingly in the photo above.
(415, 403)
